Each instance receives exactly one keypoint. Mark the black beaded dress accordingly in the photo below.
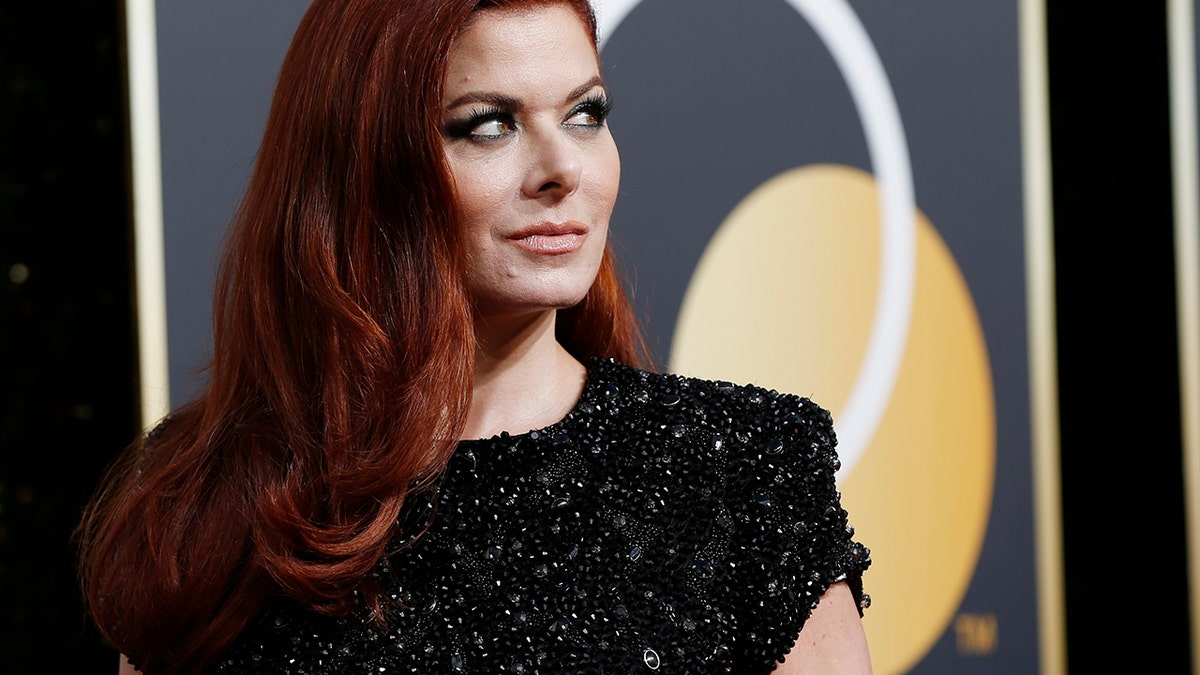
(665, 524)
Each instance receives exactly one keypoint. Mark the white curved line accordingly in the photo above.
(847, 41)
(843, 34)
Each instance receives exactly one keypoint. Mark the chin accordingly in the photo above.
(565, 300)
(533, 303)
(533, 293)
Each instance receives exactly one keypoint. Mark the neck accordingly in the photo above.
(524, 379)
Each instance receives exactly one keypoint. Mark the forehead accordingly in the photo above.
(530, 46)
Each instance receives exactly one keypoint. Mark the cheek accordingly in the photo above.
(608, 177)
(478, 187)
(616, 176)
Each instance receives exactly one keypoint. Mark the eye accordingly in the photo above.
(483, 125)
(493, 128)
(590, 112)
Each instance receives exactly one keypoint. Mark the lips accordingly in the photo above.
(551, 238)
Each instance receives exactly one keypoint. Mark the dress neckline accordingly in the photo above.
(596, 367)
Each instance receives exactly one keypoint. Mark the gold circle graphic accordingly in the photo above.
(784, 297)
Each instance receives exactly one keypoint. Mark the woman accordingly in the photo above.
(421, 258)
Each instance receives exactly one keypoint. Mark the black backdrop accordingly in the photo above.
(67, 367)
(67, 345)
(1124, 544)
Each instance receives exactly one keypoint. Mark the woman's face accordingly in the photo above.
(535, 168)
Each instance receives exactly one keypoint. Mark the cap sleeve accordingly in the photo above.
(794, 540)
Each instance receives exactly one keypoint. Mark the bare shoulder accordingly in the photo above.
(832, 640)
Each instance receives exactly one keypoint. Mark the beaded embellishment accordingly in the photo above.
(665, 525)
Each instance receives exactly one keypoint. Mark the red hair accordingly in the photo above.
(343, 353)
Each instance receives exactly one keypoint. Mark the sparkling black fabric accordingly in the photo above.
(666, 524)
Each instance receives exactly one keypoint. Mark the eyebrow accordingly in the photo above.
(505, 101)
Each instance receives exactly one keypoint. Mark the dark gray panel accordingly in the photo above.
(218, 61)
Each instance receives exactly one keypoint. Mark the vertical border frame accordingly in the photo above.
(1185, 172)
(1043, 363)
(150, 297)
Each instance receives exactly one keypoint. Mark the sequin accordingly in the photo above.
(665, 523)
(775, 446)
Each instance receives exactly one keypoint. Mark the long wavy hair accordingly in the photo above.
(343, 353)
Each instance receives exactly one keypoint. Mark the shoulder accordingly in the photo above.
(614, 375)
(748, 414)
(159, 431)
(761, 466)
(759, 444)
(177, 426)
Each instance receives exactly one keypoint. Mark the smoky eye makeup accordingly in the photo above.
(592, 111)
(482, 124)
(490, 121)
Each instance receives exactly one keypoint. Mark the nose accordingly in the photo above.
(555, 167)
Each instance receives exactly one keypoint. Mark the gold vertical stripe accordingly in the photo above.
(146, 172)
(1185, 170)
(1039, 261)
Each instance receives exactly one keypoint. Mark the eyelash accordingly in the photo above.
(598, 105)
(465, 127)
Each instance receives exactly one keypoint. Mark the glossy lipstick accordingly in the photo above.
(551, 238)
